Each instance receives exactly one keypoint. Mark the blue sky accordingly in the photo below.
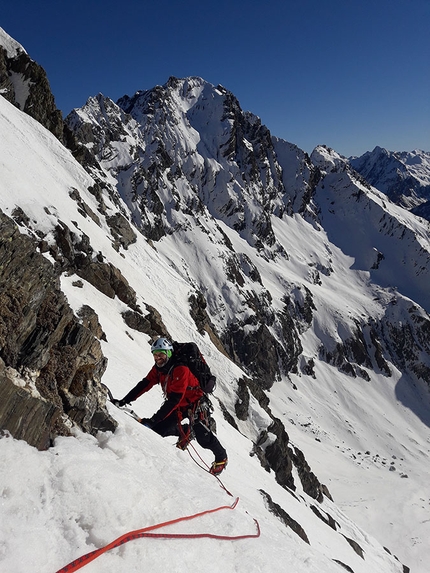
(350, 74)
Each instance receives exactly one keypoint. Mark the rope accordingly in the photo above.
(204, 466)
(85, 559)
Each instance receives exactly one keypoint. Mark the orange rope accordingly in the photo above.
(85, 559)
(205, 467)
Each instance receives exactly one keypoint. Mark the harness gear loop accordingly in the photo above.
(197, 413)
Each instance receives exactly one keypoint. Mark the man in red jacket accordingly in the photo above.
(184, 399)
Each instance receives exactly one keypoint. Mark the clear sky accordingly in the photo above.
(350, 74)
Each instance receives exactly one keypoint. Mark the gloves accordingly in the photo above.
(148, 422)
(119, 403)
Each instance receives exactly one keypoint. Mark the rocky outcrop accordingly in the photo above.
(286, 519)
(73, 253)
(274, 453)
(272, 448)
(23, 82)
(52, 361)
(405, 329)
(121, 231)
(150, 324)
(258, 352)
(310, 483)
(23, 413)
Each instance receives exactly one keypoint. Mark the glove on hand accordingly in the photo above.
(119, 403)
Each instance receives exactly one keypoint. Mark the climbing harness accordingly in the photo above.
(203, 412)
(145, 532)
(197, 413)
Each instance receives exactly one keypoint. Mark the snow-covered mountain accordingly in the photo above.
(403, 176)
(186, 160)
(306, 289)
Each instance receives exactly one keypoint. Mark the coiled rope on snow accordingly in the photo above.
(146, 532)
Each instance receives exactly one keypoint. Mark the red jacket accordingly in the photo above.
(180, 387)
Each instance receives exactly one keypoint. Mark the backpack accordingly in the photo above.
(188, 354)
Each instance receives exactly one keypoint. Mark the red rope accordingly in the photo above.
(203, 467)
(138, 533)
(205, 535)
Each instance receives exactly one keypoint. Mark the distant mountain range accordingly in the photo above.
(403, 176)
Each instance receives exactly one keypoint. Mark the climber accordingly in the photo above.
(184, 399)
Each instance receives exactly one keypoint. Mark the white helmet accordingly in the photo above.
(162, 345)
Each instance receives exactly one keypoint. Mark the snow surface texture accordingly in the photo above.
(86, 491)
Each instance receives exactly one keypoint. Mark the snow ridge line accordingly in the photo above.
(138, 533)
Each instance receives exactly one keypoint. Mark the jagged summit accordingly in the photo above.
(198, 135)
(187, 90)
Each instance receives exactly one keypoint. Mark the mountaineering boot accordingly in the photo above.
(217, 467)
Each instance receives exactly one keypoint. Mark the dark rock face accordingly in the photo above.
(24, 83)
(242, 404)
(263, 356)
(272, 447)
(310, 482)
(286, 519)
(325, 517)
(43, 343)
(121, 230)
(277, 455)
(24, 415)
(151, 324)
(75, 254)
(408, 340)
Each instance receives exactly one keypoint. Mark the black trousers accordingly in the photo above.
(205, 438)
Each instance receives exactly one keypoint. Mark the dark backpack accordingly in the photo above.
(188, 354)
